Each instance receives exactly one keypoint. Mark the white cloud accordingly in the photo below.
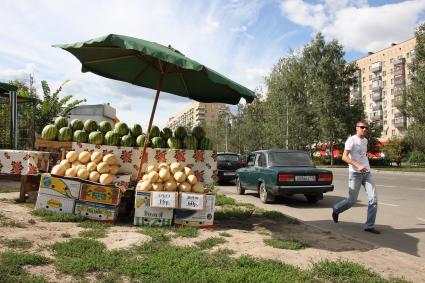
(356, 24)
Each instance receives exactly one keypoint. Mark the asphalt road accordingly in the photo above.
(401, 210)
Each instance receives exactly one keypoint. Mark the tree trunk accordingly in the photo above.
(332, 154)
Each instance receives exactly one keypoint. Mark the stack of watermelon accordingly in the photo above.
(195, 140)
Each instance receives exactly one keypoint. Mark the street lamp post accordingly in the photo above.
(227, 125)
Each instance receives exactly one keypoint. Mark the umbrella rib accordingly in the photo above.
(108, 59)
(183, 80)
(141, 57)
(143, 70)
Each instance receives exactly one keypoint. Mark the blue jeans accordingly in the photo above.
(355, 180)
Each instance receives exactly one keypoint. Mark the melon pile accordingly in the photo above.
(94, 167)
(172, 178)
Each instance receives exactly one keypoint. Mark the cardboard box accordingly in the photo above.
(96, 211)
(55, 203)
(57, 186)
(100, 194)
(164, 199)
(199, 219)
(145, 215)
(192, 201)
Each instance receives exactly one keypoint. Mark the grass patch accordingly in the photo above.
(286, 244)
(7, 222)
(66, 235)
(162, 262)
(12, 263)
(247, 205)
(224, 200)
(157, 234)
(345, 271)
(93, 233)
(233, 212)
(210, 243)
(225, 251)
(401, 169)
(50, 216)
(186, 232)
(95, 225)
(276, 215)
(225, 234)
(22, 244)
(8, 191)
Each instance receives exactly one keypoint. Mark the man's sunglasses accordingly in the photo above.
(363, 127)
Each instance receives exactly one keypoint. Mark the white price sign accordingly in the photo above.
(192, 201)
(164, 199)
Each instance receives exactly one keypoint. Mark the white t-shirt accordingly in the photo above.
(358, 152)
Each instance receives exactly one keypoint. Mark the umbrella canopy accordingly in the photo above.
(155, 66)
(7, 87)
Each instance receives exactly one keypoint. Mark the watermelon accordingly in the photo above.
(198, 132)
(49, 133)
(90, 126)
(61, 122)
(205, 144)
(80, 136)
(121, 129)
(65, 134)
(158, 142)
(190, 142)
(140, 141)
(112, 138)
(128, 140)
(155, 132)
(136, 130)
(105, 127)
(166, 133)
(180, 133)
(174, 143)
(77, 124)
(96, 137)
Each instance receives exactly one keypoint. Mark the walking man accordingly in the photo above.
(355, 154)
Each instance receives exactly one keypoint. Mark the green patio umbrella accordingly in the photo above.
(155, 66)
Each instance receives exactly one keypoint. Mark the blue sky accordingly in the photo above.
(240, 39)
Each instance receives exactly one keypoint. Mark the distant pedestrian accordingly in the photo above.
(355, 154)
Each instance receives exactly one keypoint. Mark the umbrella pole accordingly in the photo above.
(150, 126)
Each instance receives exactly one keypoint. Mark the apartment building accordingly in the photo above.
(195, 114)
(382, 78)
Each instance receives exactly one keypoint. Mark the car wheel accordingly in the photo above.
(265, 196)
(239, 188)
(312, 199)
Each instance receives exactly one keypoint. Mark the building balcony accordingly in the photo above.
(376, 96)
(399, 72)
(399, 81)
(398, 101)
(398, 115)
(398, 92)
(376, 88)
(377, 116)
(399, 61)
(376, 78)
(376, 67)
(377, 106)
(399, 122)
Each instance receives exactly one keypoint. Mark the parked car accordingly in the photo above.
(227, 164)
(283, 173)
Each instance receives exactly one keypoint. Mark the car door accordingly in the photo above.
(258, 174)
(246, 173)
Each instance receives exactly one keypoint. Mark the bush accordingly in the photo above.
(379, 162)
(416, 157)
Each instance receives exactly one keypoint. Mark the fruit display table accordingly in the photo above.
(23, 163)
(202, 162)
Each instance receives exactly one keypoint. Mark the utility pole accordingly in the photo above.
(227, 125)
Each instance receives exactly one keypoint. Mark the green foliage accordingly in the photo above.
(17, 243)
(416, 157)
(286, 244)
(415, 137)
(93, 233)
(186, 232)
(50, 216)
(223, 200)
(95, 225)
(157, 234)
(233, 212)
(12, 263)
(395, 150)
(52, 105)
(210, 242)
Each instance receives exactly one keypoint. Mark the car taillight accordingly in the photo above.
(325, 177)
(286, 178)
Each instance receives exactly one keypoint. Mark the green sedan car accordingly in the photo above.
(283, 173)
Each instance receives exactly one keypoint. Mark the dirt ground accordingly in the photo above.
(246, 239)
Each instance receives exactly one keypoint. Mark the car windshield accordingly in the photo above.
(290, 159)
(227, 157)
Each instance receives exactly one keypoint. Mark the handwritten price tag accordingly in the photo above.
(164, 199)
(192, 201)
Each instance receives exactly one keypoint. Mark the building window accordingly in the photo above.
(384, 83)
(393, 132)
(363, 69)
(392, 91)
(384, 73)
(391, 81)
(385, 122)
(407, 55)
(391, 71)
(364, 79)
(370, 96)
(370, 66)
(370, 77)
